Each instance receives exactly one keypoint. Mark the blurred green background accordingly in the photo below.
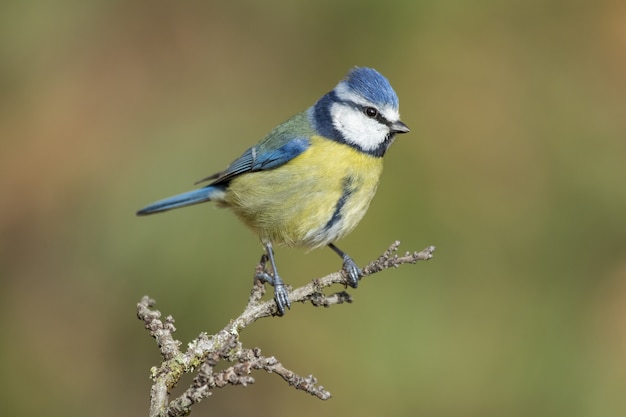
(515, 169)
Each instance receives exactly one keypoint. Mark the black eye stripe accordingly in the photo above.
(379, 117)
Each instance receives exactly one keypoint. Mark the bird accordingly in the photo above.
(311, 179)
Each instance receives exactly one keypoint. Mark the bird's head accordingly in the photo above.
(361, 111)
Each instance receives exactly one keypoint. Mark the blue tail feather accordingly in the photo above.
(181, 200)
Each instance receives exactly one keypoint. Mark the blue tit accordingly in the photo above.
(311, 179)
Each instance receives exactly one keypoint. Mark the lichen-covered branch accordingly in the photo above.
(205, 352)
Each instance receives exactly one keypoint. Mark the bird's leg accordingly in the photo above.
(353, 272)
(281, 296)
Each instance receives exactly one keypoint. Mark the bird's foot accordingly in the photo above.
(353, 272)
(281, 295)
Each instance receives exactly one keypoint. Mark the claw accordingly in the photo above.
(281, 296)
(353, 272)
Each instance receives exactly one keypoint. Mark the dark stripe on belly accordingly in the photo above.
(347, 189)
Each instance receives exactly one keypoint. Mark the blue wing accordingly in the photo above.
(259, 158)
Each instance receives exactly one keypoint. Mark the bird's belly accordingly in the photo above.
(317, 197)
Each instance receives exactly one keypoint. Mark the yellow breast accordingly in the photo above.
(312, 200)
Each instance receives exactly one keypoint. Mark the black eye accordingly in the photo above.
(370, 112)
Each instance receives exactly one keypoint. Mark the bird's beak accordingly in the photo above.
(399, 127)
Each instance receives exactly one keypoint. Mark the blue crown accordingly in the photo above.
(372, 85)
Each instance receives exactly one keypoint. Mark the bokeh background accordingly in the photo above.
(515, 169)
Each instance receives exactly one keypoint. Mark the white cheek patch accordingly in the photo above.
(356, 128)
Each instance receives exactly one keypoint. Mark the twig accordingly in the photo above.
(205, 352)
